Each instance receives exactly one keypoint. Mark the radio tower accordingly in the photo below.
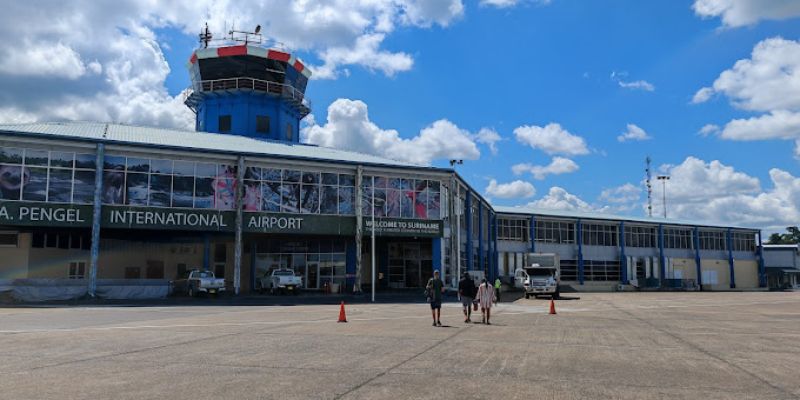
(649, 187)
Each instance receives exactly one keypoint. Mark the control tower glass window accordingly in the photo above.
(262, 124)
(224, 123)
(289, 132)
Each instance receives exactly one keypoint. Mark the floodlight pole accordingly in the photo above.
(664, 179)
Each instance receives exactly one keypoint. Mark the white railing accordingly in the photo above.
(278, 89)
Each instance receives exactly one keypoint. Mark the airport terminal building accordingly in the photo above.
(119, 211)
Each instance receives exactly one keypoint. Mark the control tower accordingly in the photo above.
(243, 88)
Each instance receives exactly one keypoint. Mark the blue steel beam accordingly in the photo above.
(729, 241)
(762, 273)
(468, 219)
(662, 260)
(533, 234)
(579, 239)
(480, 237)
(97, 205)
(697, 261)
(623, 273)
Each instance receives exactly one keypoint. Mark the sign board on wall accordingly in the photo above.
(404, 227)
(20, 213)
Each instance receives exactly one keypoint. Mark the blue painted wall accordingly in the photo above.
(243, 107)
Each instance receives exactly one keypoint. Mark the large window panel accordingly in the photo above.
(160, 189)
(225, 188)
(309, 199)
(329, 199)
(203, 192)
(113, 187)
(12, 179)
(60, 187)
(136, 189)
(36, 157)
(35, 188)
(252, 196)
(347, 199)
(183, 191)
(290, 197)
(271, 196)
(83, 188)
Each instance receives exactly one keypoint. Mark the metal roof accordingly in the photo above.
(191, 140)
(590, 215)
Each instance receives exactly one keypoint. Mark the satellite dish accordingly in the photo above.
(258, 29)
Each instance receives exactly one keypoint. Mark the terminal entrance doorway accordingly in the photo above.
(410, 264)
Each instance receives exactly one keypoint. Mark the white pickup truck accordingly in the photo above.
(281, 280)
(198, 281)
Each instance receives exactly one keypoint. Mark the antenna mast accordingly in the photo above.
(649, 186)
(205, 36)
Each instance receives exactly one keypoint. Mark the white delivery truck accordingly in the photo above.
(541, 276)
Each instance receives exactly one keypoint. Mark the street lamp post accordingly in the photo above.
(372, 247)
(664, 179)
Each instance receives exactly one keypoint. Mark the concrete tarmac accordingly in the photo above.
(598, 346)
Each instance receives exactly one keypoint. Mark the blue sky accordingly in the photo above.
(455, 67)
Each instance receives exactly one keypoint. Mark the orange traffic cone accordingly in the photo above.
(552, 307)
(342, 316)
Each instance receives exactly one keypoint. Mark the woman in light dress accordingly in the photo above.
(485, 298)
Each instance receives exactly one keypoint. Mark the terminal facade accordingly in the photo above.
(91, 206)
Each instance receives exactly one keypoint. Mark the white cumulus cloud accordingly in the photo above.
(633, 133)
(735, 13)
(558, 166)
(511, 3)
(714, 192)
(769, 82)
(103, 60)
(489, 137)
(558, 198)
(708, 129)
(552, 139)
(627, 193)
(633, 85)
(513, 190)
(348, 127)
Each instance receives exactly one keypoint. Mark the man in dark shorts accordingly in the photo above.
(435, 289)
(466, 292)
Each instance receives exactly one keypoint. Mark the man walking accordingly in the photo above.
(466, 292)
(435, 288)
(485, 297)
(497, 285)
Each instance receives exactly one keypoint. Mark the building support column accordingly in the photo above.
(623, 258)
(481, 257)
(97, 214)
(762, 273)
(492, 273)
(238, 245)
(697, 261)
(436, 255)
(579, 239)
(662, 261)
(729, 242)
(359, 228)
(532, 234)
(468, 219)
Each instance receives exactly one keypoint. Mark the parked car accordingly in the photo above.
(199, 281)
(281, 280)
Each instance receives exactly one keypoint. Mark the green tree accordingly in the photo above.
(792, 236)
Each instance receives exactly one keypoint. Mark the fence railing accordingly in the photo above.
(279, 89)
